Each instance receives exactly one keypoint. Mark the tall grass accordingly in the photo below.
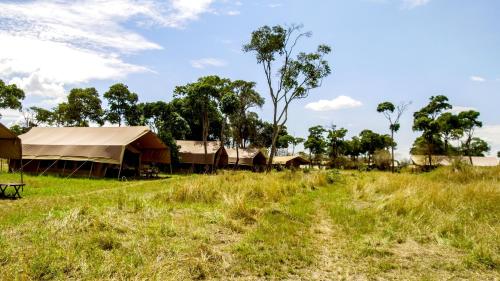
(453, 213)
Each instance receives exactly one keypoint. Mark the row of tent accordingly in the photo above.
(117, 152)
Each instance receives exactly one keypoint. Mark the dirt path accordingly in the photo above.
(329, 264)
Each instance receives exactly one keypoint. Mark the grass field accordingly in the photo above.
(241, 225)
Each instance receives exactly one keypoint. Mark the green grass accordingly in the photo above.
(317, 225)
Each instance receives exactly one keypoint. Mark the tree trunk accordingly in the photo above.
(205, 137)
(392, 151)
(276, 130)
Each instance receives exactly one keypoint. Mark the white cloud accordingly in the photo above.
(275, 5)
(207, 62)
(9, 117)
(50, 44)
(233, 13)
(410, 4)
(457, 109)
(491, 134)
(477, 79)
(340, 102)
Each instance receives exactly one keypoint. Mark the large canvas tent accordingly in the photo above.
(192, 153)
(248, 157)
(97, 152)
(290, 161)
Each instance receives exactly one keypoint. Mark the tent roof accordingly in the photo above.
(10, 144)
(102, 144)
(443, 160)
(246, 155)
(283, 160)
(196, 147)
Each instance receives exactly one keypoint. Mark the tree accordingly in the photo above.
(294, 77)
(121, 104)
(336, 141)
(353, 147)
(83, 107)
(425, 121)
(477, 147)
(235, 105)
(316, 142)
(200, 96)
(10, 96)
(165, 121)
(388, 108)
(284, 142)
(468, 121)
(371, 142)
(498, 154)
(42, 116)
(449, 127)
(296, 141)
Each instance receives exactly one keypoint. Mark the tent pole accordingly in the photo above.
(22, 181)
(91, 167)
(64, 167)
(120, 171)
(37, 167)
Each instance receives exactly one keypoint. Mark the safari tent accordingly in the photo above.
(92, 152)
(247, 157)
(10, 150)
(443, 160)
(10, 144)
(192, 154)
(290, 161)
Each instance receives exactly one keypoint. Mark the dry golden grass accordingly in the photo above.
(241, 225)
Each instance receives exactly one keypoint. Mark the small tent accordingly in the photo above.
(247, 157)
(443, 160)
(96, 152)
(192, 154)
(10, 149)
(290, 161)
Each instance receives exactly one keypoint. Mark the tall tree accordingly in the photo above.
(121, 103)
(200, 96)
(425, 121)
(10, 96)
(336, 142)
(478, 147)
(449, 127)
(468, 121)
(236, 105)
(392, 114)
(83, 107)
(293, 77)
(371, 142)
(316, 142)
(296, 141)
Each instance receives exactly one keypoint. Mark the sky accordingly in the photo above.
(383, 50)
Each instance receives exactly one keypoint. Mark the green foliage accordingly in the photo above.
(295, 75)
(10, 96)
(316, 142)
(121, 104)
(83, 106)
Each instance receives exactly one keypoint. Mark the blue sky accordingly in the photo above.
(395, 50)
